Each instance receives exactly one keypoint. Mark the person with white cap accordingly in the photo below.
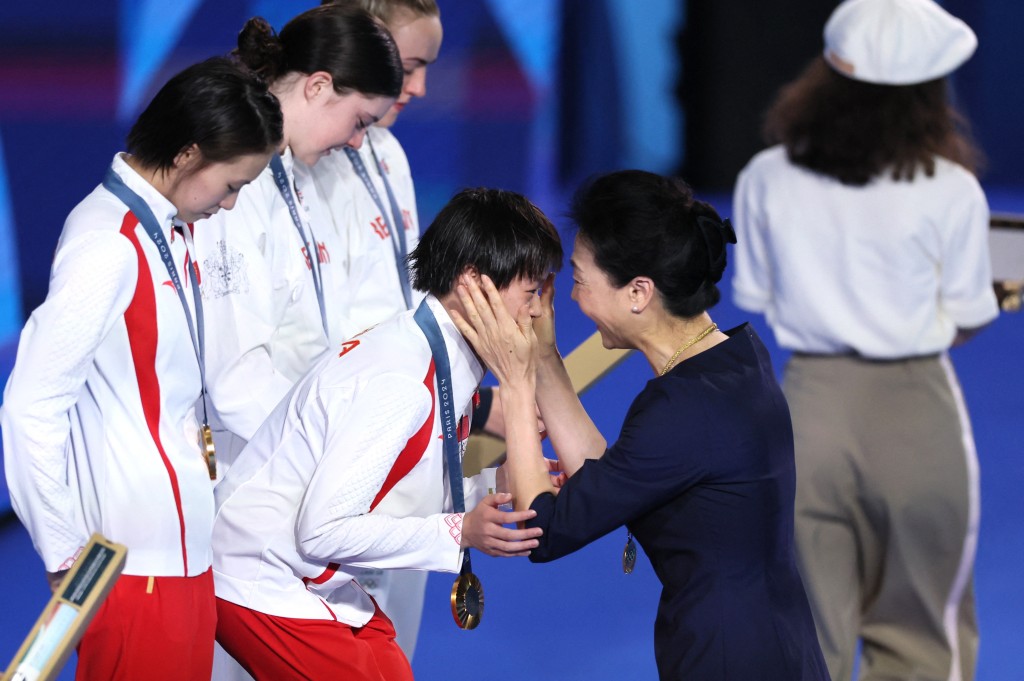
(862, 237)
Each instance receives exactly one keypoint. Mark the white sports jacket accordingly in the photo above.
(374, 291)
(99, 426)
(263, 323)
(347, 472)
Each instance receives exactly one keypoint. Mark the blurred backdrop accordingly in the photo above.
(533, 96)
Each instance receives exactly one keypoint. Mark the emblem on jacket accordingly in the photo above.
(225, 273)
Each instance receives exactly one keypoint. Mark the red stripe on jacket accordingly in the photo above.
(141, 322)
(415, 448)
(409, 457)
(324, 576)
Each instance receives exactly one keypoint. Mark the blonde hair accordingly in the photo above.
(385, 10)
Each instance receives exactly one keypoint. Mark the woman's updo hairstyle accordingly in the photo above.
(344, 41)
(642, 224)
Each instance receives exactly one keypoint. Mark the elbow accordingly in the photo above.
(543, 552)
(314, 547)
(310, 540)
(312, 551)
(15, 406)
(19, 420)
(964, 335)
(328, 541)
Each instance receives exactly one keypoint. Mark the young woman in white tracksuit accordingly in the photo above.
(863, 238)
(369, 191)
(359, 184)
(273, 286)
(100, 421)
(360, 465)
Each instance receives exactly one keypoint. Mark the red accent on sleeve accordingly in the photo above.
(416, 446)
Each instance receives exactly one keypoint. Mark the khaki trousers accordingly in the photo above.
(887, 514)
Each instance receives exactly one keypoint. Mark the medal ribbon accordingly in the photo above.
(449, 421)
(284, 186)
(141, 210)
(392, 221)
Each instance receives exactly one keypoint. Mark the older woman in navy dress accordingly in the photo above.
(702, 474)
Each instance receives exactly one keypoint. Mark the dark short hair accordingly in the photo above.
(638, 223)
(500, 233)
(344, 41)
(217, 105)
(855, 131)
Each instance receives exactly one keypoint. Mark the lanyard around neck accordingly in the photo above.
(284, 186)
(394, 221)
(144, 214)
(446, 399)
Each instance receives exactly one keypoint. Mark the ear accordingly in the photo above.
(318, 84)
(641, 293)
(187, 156)
(469, 273)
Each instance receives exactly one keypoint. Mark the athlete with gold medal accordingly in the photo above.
(360, 466)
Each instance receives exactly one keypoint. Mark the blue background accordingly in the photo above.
(529, 95)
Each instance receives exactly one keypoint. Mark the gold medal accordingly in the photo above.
(208, 451)
(467, 601)
(629, 554)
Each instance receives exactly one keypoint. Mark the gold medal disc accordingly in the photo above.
(467, 601)
(208, 450)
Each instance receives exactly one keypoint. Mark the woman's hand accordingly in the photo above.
(55, 579)
(558, 476)
(544, 325)
(484, 529)
(505, 345)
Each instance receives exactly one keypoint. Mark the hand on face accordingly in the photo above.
(544, 324)
(504, 344)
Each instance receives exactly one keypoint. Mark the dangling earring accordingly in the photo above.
(636, 310)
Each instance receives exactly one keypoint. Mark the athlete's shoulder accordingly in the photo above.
(390, 152)
(396, 344)
(97, 225)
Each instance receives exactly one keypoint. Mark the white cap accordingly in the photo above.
(896, 42)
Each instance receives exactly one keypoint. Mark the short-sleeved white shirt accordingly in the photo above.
(887, 270)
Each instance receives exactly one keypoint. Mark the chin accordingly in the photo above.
(609, 342)
(311, 159)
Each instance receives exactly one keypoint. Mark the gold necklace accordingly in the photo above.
(700, 336)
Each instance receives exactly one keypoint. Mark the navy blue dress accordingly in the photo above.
(703, 475)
